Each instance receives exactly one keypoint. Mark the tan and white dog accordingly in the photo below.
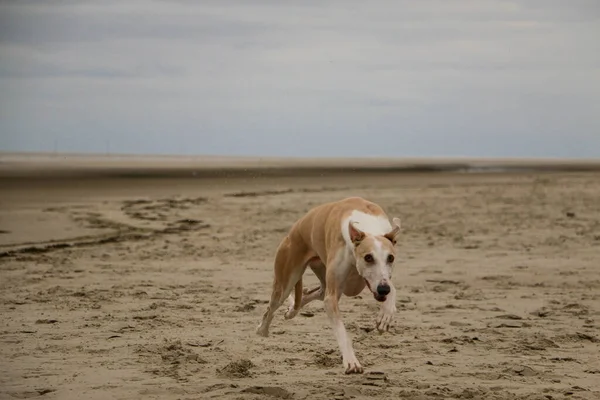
(349, 244)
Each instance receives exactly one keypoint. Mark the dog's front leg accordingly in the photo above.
(331, 303)
(387, 311)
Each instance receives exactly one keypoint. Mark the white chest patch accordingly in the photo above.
(373, 224)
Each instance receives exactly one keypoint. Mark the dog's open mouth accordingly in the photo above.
(377, 296)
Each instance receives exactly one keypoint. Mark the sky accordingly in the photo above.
(403, 78)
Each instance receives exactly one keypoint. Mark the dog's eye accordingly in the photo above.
(369, 258)
(390, 258)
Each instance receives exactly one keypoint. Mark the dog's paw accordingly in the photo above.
(353, 367)
(291, 312)
(384, 319)
(262, 331)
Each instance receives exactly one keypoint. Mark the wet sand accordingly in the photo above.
(126, 280)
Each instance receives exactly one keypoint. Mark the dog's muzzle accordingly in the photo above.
(382, 291)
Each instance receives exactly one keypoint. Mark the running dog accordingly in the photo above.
(348, 244)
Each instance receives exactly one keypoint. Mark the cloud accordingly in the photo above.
(303, 78)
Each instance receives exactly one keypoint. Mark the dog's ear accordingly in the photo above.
(392, 235)
(356, 235)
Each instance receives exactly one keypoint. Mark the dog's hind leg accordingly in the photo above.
(318, 292)
(277, 299)
(290, 264)
(295, 301)
(308, 294)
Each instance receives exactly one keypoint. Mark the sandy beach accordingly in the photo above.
(127, 278)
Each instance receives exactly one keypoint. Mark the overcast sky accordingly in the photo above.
(302, 78)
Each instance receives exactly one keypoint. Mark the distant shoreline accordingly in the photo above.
(94, 166)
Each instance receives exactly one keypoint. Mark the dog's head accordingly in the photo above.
(375, 257)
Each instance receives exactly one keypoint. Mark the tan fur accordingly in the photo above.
(317, 241)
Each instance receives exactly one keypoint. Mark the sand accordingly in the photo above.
(150, 285)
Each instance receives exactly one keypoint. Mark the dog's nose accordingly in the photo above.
(383, 289)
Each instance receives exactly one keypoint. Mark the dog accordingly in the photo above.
(349, 244)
